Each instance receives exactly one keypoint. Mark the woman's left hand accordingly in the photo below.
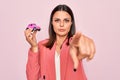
(81, 47)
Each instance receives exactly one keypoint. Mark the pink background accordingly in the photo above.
(98, 19)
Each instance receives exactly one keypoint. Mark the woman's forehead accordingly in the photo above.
(61, 14)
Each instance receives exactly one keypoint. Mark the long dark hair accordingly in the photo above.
(52, 34)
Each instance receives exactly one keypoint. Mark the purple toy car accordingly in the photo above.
(34, 27)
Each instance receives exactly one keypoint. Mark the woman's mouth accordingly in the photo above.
(61, 30)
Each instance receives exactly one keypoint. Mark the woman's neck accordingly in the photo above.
(60, 40)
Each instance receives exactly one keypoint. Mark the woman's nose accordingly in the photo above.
(61, 24)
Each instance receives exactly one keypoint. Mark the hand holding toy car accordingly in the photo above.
(30, 34)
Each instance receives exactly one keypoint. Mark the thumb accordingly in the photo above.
(73, 54)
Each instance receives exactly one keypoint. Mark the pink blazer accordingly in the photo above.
(41, 65)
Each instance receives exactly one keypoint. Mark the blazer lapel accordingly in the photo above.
(51, 60)
(64, 59)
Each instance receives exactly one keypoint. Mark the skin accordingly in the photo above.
(81, 46)
(61, 24)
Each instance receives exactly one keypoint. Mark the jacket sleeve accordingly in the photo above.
(33, 66)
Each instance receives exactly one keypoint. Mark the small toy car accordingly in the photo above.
(34, 27)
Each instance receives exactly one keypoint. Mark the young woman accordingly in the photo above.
(60, 56)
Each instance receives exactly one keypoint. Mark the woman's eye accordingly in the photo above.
(57, 20)
(66, 20)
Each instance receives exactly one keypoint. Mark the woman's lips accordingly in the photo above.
(61, 30)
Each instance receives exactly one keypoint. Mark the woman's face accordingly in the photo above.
(61, 23)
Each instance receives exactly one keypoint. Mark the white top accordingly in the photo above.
(57, 65)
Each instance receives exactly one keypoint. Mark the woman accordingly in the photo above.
(60, 56)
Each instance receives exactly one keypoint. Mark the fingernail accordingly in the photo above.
(74, 70)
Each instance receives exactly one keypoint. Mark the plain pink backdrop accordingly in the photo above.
(98, 19)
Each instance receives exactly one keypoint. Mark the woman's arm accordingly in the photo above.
(33, 66)
(81, 47)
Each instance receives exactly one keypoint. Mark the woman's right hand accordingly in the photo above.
(31, 39)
